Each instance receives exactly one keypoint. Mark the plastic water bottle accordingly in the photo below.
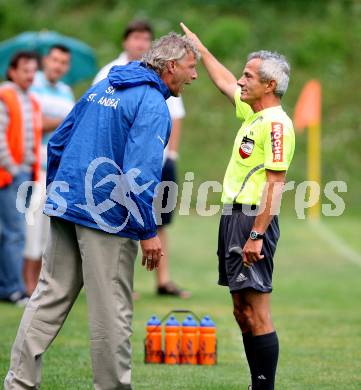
(189, 341)
(172, 341)
(207, 342)
(153, 341)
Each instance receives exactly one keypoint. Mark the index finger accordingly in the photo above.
(245, 259)
(185, 28)
(188, 32)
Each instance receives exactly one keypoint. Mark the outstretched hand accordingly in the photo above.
(193, 37)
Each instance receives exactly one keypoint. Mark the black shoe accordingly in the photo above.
(17, 298)
(171, 289)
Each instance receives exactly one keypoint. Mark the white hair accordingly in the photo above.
(275, 67)
(170, 47)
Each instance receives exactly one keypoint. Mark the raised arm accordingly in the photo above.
(223, 79)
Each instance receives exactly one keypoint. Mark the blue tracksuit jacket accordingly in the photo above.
(105, 159)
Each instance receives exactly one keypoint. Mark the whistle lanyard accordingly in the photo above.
(248, 128)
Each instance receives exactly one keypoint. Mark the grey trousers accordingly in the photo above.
(104, 264)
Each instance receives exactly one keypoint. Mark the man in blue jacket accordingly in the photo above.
(104, 162)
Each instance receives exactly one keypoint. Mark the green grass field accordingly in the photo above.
(316, 310)
(317, 289)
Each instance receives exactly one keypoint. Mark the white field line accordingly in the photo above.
(336, 242)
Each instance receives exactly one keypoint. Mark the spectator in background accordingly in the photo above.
(20, 135)
(56, 101)
(137, 38)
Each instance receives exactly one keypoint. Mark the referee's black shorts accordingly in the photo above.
(234, 229)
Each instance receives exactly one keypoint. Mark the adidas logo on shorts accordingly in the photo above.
(241, 278)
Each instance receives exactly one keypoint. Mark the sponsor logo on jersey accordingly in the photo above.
(246, 148)
(277, 141)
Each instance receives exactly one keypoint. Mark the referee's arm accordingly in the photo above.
(223, 79)
(269, 207)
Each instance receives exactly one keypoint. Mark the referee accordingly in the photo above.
(252, 191)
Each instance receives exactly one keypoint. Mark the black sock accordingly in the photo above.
(248, 349)
(265, 348)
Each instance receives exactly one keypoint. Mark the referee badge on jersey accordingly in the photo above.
(246, 148)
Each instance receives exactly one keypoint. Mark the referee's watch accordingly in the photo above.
(256, 236)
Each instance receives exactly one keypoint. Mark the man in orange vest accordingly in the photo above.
(20, 137)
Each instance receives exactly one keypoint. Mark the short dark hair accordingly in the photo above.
(138, 26)
(60, 47)
(18, 56)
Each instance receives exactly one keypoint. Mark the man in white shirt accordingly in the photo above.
(137, 38)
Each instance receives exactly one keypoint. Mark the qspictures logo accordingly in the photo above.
(106, 187)
(124, 186)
